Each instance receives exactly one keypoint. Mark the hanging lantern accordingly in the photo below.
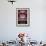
(12, 1)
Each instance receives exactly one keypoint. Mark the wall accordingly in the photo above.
(8, 29)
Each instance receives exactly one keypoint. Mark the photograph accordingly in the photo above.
(22, 16)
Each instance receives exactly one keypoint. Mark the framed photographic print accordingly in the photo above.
(22, 17)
